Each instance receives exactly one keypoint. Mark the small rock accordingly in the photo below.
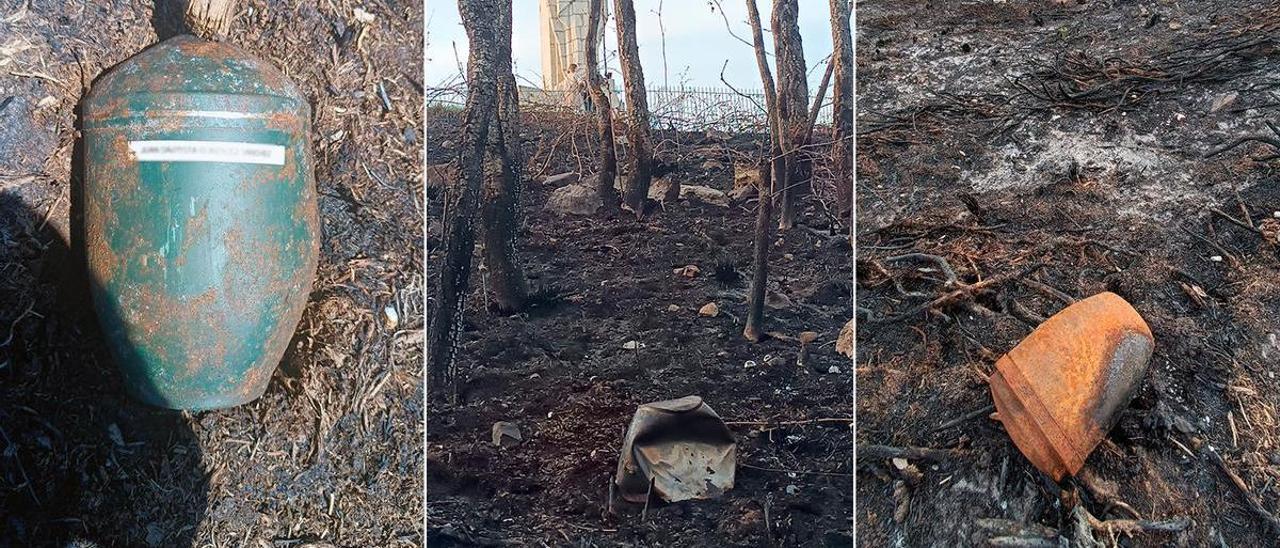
(704, 193)
(709, 310)
(844, 343)
(688, 271)
(632, 345)
(364, 16)
(777, 301)
(791, 489)
(390, 317)
(574, 200)
(834, 370)
(900, 463)
(673, 308)
(1216, 258)
(1223, 101)
(506, 434)
(113, 432)
(561, 179)
(788, 256)
(749, 364)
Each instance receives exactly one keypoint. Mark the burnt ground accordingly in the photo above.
(1077, 133)
(332, 453)
(560, 372)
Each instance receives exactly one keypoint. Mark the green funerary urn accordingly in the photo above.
(200, 221)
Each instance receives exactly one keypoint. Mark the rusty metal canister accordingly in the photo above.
(1062, 388)
(201, 229)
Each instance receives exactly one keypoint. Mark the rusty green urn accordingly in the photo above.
(200, 220)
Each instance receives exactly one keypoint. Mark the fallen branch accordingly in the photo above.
(886, 452)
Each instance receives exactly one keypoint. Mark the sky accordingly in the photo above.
(697, 42)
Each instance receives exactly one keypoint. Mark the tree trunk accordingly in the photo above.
(446, 317)
(772, 178)
(842, 106)
(502, 204)
(210, 18)
(754, 329)
(816, 107)
(608, 170)
(793, 103)
(637, 108)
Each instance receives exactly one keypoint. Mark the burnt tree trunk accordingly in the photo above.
(641, 160)
(210, 18)
(455, 270)
(792, 103)
(772, 179)
(842, 106)
(608, 171)
(816, 107)
(502, 201)
(753, 330)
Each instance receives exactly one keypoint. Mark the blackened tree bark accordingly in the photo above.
(754, 330)
(608, 170)
(842, 105)
(461, 203)
(641, 160)
(793, 102)
(502, 201)
(773, 178)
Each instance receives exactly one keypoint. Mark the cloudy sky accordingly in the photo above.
(697, 42)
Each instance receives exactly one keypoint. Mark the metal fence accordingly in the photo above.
(682, 108)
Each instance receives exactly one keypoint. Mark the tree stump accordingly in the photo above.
(210, 18)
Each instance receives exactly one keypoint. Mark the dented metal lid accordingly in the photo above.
(186, 73)
(681, 448)
(1062, 388)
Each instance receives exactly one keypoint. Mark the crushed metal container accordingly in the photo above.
(201, 228)
(1062, 388)
(677, 449)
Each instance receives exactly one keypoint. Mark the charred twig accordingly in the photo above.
(1254, 504)
(1273, 142)
(935, 259)
(885, 452)
(966, 418)
(966, 291)
(1049, 291)
(1234, 220)
(1131, 527)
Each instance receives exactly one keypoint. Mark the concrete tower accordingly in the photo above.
(563, 29)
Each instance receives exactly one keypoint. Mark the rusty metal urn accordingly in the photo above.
(1062, 388)
(201, 229)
